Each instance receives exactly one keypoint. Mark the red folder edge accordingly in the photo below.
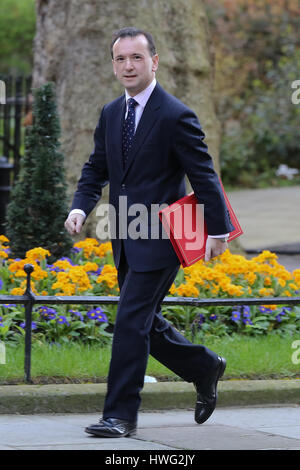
(177, 243)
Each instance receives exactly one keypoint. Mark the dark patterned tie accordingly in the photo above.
(128, 129)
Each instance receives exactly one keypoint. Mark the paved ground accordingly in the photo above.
(291, 262)
(228, 428)
(269, 217)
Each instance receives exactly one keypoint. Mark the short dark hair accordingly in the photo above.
(132, 33)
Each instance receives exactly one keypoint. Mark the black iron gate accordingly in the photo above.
(15, 115)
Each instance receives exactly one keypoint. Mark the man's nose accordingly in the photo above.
(128, 63)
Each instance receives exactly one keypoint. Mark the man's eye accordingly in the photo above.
(119, 59)
(137, 57)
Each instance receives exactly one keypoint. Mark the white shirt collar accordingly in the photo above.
(144, 95)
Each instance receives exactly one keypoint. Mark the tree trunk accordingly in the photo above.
(72, 49)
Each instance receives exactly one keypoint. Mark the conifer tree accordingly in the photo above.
(38, 207)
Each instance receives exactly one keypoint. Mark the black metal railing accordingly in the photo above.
(17, 105)
(15, 116)
(29, 300)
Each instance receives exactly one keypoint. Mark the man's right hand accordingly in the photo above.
(74, 223)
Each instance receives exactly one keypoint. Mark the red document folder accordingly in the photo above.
(184, 223)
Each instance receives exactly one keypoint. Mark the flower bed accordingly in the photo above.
(89, 270)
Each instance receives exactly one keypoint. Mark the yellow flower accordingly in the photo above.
(67, 288)
(3, 254)
(90, 246)
(4, 239)
(17, 267)
(270, 307)
(108, 269)
(17, 291)
(108, 275)
(103, 249)
(267, 281)
(38, 253)
(251, 278)
(78, 276)
(265, 256)
(264, 292)
(233, 290)
(110, 280)
(287, 293)
(187, 290)
(21, 290)
(39, 274)
(62, 264)
(89, 266)
(172, 289)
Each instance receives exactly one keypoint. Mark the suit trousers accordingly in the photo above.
(141, 329)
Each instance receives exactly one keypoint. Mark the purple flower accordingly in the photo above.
(8, 305)
(62, 320)
(97, 314)
(236, 315)
(77, 314)
(284, 311)
(287, 309)
(213, 317)
(247, 321)
(264, 309)
(56, 269)
(246, 311)
(75, 250)
(47, 313)
(1, 283)
(95, 273)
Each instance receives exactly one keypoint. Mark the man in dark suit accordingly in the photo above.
(146, 141)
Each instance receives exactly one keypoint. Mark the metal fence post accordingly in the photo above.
(28, 268)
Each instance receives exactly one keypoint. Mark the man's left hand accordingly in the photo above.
(214, 247)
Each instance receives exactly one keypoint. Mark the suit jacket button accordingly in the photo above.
(123, 186)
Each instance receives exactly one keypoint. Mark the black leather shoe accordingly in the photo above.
(112, 427)
(207, 393)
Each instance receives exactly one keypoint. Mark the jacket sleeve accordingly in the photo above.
(193, 156)
(94, 174)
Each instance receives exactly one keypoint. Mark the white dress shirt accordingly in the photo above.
(141, 98)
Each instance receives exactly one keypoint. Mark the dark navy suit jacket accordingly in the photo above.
(168, 144)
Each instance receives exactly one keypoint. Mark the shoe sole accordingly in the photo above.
(100, 434)
(222, 368)
(220, 375)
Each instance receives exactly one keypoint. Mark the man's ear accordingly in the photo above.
(155, 60)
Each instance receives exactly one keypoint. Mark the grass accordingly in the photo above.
(247, 357)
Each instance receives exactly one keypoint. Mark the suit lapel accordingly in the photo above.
(149, 116)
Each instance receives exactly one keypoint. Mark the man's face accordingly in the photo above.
(133, 65)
